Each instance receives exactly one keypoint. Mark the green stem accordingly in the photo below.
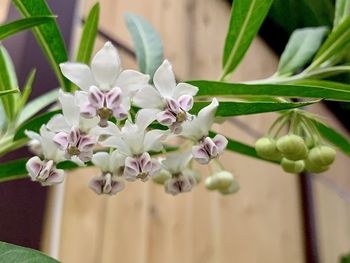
(8, 145)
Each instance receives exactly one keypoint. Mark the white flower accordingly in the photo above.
(171, 101)
(198, 130)
(106, 89)
(44, 171)
(111, 165)
(72, 130)
(135, 142)
(182, 179)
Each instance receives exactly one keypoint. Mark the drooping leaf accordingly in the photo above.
(22, 24)
(8, 81)
(34, 124)
(241, 148)
(47, 35)
(27, 90)
(10, 253)
(246, 19)
(231, 108)
(342, 10)
(333, 136)
(337, 41)
(89, 35)
(37, 105)
(312, 90)
(147, 43)
(301, 47)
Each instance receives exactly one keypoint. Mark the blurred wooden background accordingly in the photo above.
(262, 223)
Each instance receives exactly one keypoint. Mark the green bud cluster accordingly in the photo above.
(299, 150)
(222, 181)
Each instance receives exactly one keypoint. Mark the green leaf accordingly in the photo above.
(37, 105)
(34, 124)
(10, 253)
(246, 19)
(13, 170)
(27, 90)
(222, 89)
(89, 35)
(47, 35)
(7, 92)
(342, 10)
(22, 24)
(336, 42)
(301, 47)
(8, 81)
(147, 43)
(241, 148)
(333, 136)
(231, 108)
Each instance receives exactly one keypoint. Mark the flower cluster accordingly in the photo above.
(301, 149)
(127, 127)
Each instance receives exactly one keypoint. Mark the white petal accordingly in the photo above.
(177, 162)
(184, 89)
(58, 123)
(33, 166)
(145, 117)
(164, 79)
(111, 129)
(152, 141)
(50, 149)
(131, 81)
(116, 161)
(206, 115)
(32, 135)
(70, 109)
(56, 177)
(78, 73)
(149, 97)
(101, 160)
(118, 143)
(105, 66)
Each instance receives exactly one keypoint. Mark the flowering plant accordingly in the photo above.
(136, 125)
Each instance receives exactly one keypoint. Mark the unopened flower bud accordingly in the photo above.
(210, 183)
(219, 181)
(233, 188)
(292, 147)
(266, 148)
(162, 177)
(313, 168)
(294, 167)
(322, 155)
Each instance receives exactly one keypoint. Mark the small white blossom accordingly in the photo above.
(171, 101)
(198, 130)
(111, 165)
(106, 88)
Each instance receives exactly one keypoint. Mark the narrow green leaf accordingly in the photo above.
(342, 10)
(8, 81)
(301, 47)
(246, 19)
(222, 89)
(10, 253)
(13, 170)
(48, 36)
(147, 43)
(89, 35)
(231, 108)
(37, 105)
(27, 90)
(7, 92)
(34, 124)
(333, 136)
(241, 148)
(22, 24)
(336, 42)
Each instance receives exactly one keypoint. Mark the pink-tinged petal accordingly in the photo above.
(107, 187)
(96, 97)
(34, 165)
(61, 139)
(220, 142)
(176, 128)
(56, 177)
(85, 156)
(113, 98)
(96, 184)
(166, 118)
(87, 143)
(172, 105)
(210, 147)
(105, 66)
(131, 169)
(184, 89)
(74, 136)
(178, 185)
(156, 167)
(186, 102)
(200, 155)
(120, 113)
(117, 186)
(148, 98)
(88, 111)
(79, 74)
(145, 162)
(45, 171)
(164, 79)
